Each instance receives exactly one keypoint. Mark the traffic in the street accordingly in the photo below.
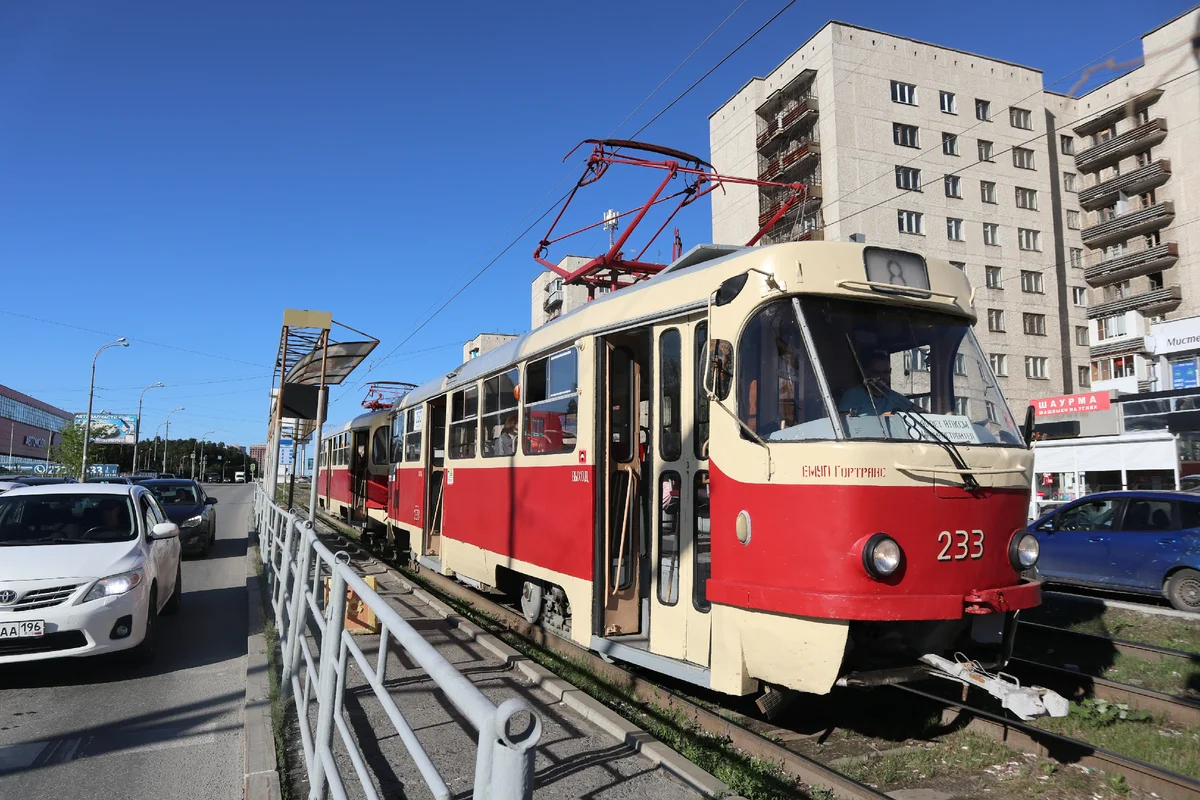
(745, 399)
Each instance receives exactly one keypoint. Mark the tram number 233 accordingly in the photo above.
(960, 545)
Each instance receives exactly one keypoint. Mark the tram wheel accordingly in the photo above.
(531, 601)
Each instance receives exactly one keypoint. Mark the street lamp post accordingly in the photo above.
(154, 457)
(200, 445)
(137, 426)
(167, 436)
(87, 428)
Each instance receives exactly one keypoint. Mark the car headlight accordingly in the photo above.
(1023, 551)
(114, 585)
(882, 556)
(191, 522)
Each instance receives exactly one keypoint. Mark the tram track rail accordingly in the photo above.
(1138, 774)
(1081, 641)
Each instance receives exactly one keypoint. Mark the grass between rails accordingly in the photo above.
(1118, 623)
(1162, 676)
(1155, 740)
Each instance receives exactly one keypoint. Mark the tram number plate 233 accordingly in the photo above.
(960, 545)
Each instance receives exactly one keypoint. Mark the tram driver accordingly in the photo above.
(874, 396)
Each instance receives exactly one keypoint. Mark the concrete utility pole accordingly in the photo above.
(137, 426)
(167, 438)
(87, 428)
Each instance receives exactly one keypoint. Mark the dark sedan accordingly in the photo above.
(1147, 542)
(190, 508)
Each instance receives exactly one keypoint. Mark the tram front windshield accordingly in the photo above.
(890, 372)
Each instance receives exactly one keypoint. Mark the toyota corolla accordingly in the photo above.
(84, 569)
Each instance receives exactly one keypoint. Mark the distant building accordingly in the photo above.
(550, 299)
(258, 453)
(483, 343)
(27, 428)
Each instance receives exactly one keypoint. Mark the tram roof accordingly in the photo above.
(683, 286)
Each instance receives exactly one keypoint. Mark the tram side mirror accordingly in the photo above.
(730, 288)
(1027, 428)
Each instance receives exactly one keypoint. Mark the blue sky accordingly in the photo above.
(179, 173)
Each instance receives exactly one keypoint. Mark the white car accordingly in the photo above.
(85, 568)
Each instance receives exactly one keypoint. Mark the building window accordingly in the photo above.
(1020, 118)
(961, 266)
(1143, 159)
(949, 144)
(1034, 324)
(1110, 327)
(1085, 377)
(1156, 280)
(1077, 257)
(991, 233)
(987, 191)
(983, 110)
(993, 277)
(1142, 117)
(954, 229)
(987, 151)
(999, 363)
(1069, 182)
(949, 105)
(911, 222)
(1035, 367)
(953, 188)
(995, 320)
(1073, 220)
(1027, 198)
(905, 93)
(1029, 239)
(1022, 158)
(1118, 290)
(905, 135)
(1081, 335)
(1066, 145)
(961, 407)
(1031, 282)
(1105, 369)
(916, 360)
(908, 178)
(1079, 296)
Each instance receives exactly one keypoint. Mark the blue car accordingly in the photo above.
(1137, 541)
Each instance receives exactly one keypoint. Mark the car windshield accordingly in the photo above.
(175, 495)
(891, 373)
(48, 519)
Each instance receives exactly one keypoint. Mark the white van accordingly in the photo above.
(239, 477)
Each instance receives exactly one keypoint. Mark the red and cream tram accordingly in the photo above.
(353, 470)
(786, 465)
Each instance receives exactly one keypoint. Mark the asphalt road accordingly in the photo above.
(83, 728)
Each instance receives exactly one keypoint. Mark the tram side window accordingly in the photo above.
(464, 422)
(669, 349)
(412, 434)
(551, 404)
(778, 394)
(500, 414)
(668, 538)
(381, 445)
(397, 454)
(702, 537)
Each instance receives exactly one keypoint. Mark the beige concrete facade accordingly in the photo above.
(483, 343)
(827, 117)
(549, 299)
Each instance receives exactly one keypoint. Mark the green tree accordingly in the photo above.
(68, 451)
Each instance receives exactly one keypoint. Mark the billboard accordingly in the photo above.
(110, 428)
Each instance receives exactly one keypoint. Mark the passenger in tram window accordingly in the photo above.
(506, 440)
(874, 396)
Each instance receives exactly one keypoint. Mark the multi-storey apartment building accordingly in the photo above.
(967, 158)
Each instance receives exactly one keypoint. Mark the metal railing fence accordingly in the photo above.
(295, 566)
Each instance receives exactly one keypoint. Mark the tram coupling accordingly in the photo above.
(1027, 702)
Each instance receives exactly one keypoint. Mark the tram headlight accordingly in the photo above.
(882, 556)
(1023, 551)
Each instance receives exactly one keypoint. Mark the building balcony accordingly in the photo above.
(1119, 346)
(553, 300)
(1132, 264)
(1129, 224)
(788, 233)
(796, 155)
(1126, 144)
(803, 109)
(812, 197)
(1153, 301)
(1142, 179)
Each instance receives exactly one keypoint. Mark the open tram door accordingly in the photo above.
(621, 450)
(435, 463)
(358, 475)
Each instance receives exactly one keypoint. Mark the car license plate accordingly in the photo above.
(21, 630)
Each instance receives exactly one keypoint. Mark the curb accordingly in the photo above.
(1141, 608)
(579, 701)
(261, 777)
